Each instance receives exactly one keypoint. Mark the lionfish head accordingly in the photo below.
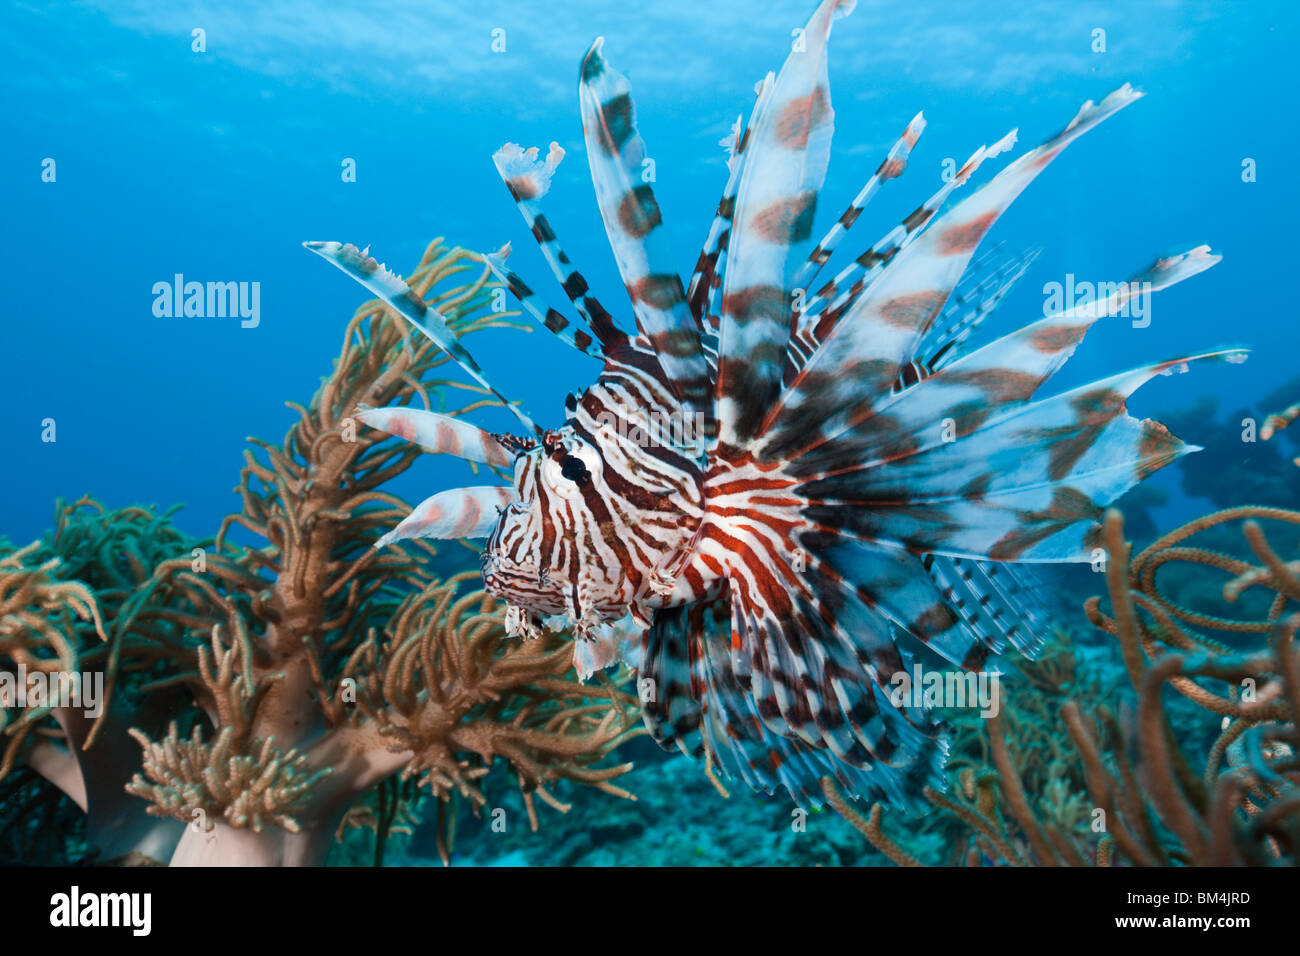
(543, 556)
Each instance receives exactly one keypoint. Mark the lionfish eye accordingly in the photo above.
(568, 475)
(575, 469)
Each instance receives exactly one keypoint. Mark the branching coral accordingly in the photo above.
(1016, 793)
(40, 616)
(192, 779)
(305, 668)
(1278, 421)
(1145, 802)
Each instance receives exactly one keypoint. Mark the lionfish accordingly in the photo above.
(851, 483)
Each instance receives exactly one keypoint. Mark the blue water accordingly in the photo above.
(217, 165)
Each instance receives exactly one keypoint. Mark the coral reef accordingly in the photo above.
(679, 819)
(278, 687)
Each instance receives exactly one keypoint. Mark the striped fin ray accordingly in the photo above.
(854, 279)
(633, 223)
(880, 330)
(815, 323)
(456, 513)
(996, 377)
(529, 179)
(993, 602)
(572, 334)
(775, 204)
(959, 610)
(806, 647)
(865, 473)
(1016, 365)
(894, 582)
(815, 698)
(743, 747)
(426, 320)
(986, 283)
(709, 266)
(891, 168)
(671, 655)
(438, 434)
(982, 288)
(1024, 485)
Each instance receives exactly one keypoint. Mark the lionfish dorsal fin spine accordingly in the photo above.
(990, 380)
(710, 263)
(409, 306)
(574, 334)
(529, 179)
(891, 168)
(882, 327)
(787, 157)
(634, 225)
(828, 305)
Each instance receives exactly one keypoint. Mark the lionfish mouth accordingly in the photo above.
(523, 583)
(497, 566)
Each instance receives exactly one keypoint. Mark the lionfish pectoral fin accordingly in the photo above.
(610, 644)
(418, 313)
(1027, 483)
(438, 434)
(457, 513)
(985, 284)
(671, 648)
(797, 692)
(994, 601)
(963, 611)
